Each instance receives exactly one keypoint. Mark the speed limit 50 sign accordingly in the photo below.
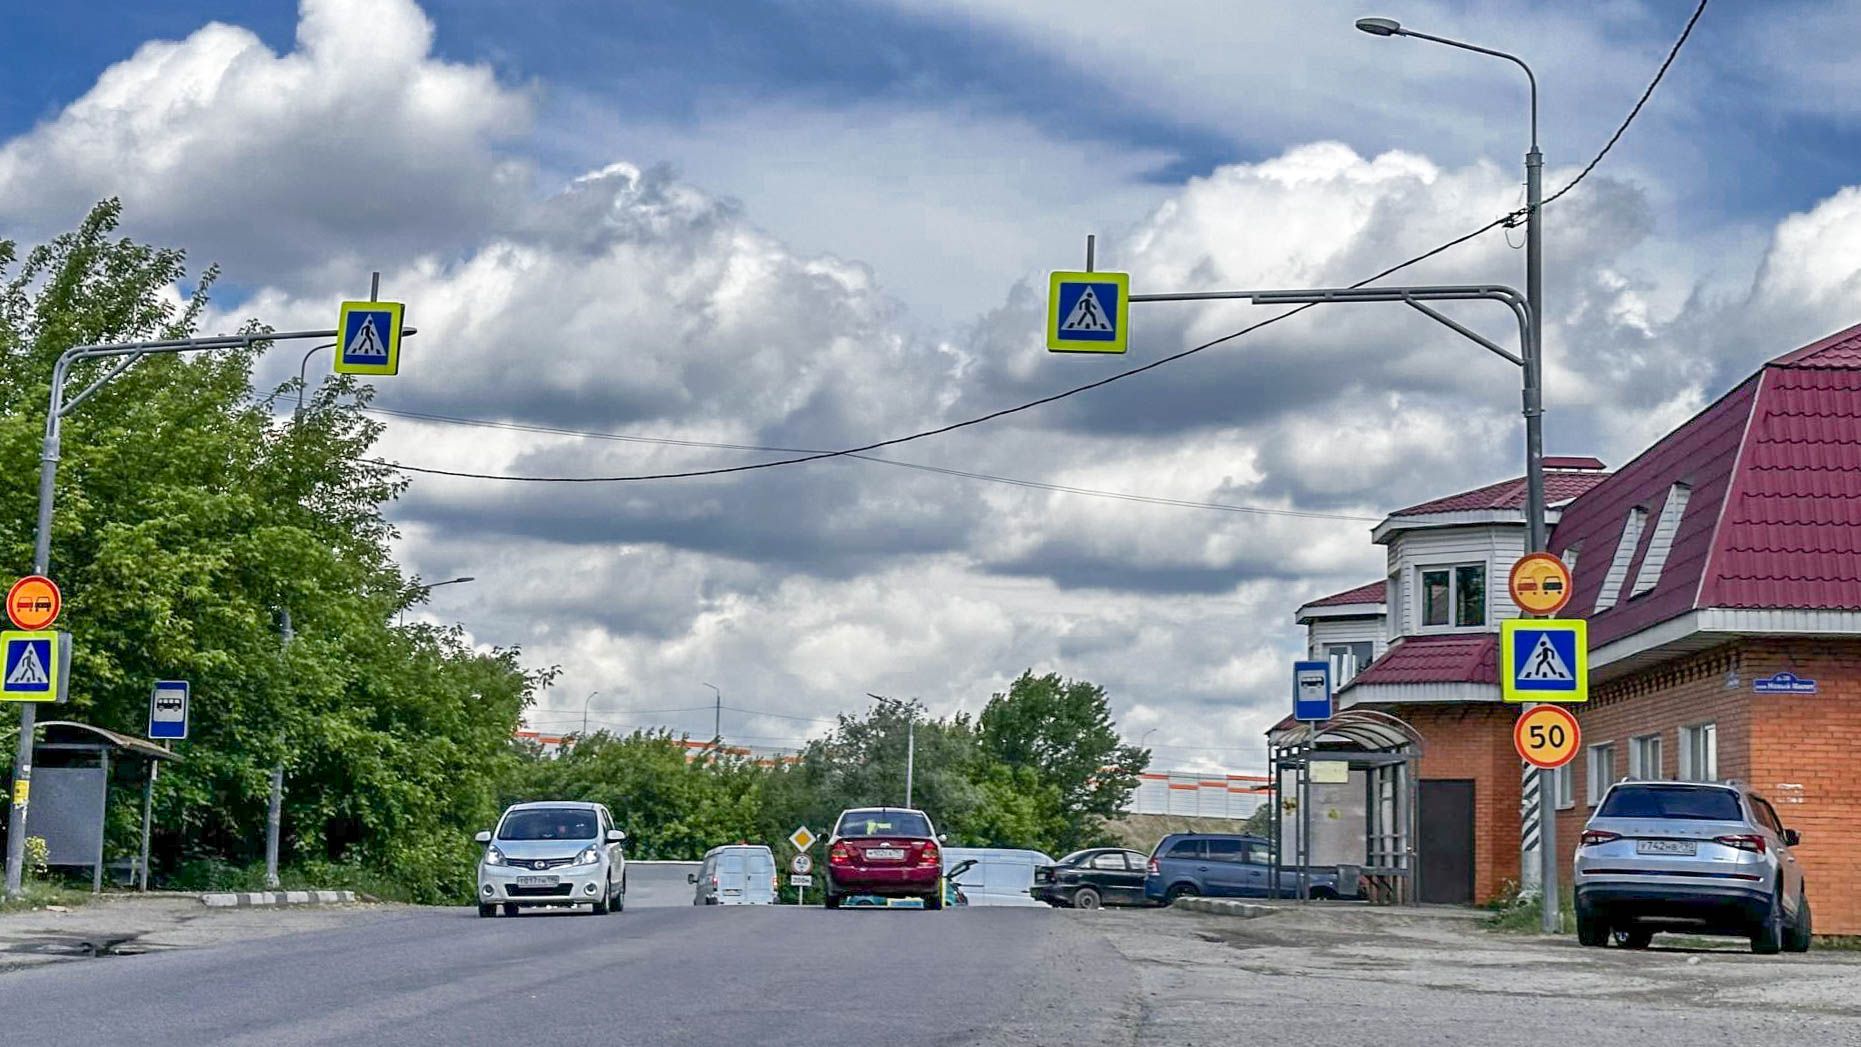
(1547, 736)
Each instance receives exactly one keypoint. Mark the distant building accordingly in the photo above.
(552, 746)
(1198, 794)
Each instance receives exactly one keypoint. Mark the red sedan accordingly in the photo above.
(890, 852)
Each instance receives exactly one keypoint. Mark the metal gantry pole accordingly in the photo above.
(911, 752)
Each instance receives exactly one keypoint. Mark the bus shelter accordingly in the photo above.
(75, 765)
(1344, 795)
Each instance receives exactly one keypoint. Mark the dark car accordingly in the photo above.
(1224, 865)
(1091, 878)
(885, 852)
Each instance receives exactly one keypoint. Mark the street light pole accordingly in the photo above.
(585, 702)
(717, 719)
(1536, 537)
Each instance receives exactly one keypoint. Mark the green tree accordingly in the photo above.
(671, 805)
(1062, 731)
(189, 517)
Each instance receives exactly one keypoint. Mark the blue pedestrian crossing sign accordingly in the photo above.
(1544, 660)
(31, 670)
(1088, 312)
(368, 338)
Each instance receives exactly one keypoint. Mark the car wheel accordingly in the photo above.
(1086, 898)
(1767, 937)
(598, 907)
(1633, 937)
(1797, 939)
(1324, 894)
(487, 910)
(1592, 930)
(833, 901)
(620, 900)
(510, 908)
(1180, 890)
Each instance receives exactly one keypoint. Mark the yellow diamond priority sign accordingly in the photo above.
(802, 838)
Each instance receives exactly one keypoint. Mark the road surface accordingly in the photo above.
(675, 974)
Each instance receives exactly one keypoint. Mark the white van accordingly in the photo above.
(1000, 875)
(739, 874)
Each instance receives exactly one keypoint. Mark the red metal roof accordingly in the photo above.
(1560, 485)
(1372, 593)
(1449, 658)
(1774, 516)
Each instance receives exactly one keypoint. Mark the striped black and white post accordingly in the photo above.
(1530, 826)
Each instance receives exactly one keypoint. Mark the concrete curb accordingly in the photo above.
(1224, 907)
(251, 899)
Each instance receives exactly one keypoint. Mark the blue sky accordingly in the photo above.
(814, 224)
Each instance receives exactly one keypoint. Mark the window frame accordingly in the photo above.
(1122, 865)
(1690, 737)
(1236, 857)
(1564, 781)
(1453, 607)
(1637, 761)
(1598, 784)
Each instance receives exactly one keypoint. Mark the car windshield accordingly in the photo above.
(883, 823)
(1671, 801)
(548, 823)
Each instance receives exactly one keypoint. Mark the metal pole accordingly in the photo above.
(1534, 484)
(148, 819)
(911, 752)
(585, 702)
(717, 717)
(274, 813)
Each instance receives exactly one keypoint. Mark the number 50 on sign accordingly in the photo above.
(1547, 736)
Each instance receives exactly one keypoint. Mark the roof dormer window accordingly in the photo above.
(1624, 553)
(1452, 596)
(1663, 540)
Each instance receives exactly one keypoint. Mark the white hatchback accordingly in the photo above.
(554, 853)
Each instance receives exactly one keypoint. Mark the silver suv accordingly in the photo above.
(1707, 857)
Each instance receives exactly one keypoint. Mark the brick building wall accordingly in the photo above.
(1795, 750)
(1474, 741)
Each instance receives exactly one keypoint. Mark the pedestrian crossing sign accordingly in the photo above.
(1544, 660)
(368, 338)
(30, 672)
(1088, 312)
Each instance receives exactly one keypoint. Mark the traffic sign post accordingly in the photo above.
(168, 709)
(1547, 736)
(802, 839)
(1539, 584)
(801, 865)
(1088, 312)
(33, 603)
(1544, 660)
(1311, 691)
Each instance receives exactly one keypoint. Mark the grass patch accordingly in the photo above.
(1513, 913)
(38, 894)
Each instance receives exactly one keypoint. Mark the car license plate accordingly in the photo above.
(1666, 847)
(884, 854)
(538, 881)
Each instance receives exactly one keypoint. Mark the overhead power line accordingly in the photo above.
(991, 416)
(1039, 485)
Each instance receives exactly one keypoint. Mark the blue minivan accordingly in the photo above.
(1222, 865)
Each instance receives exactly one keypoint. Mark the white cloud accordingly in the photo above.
(355, 148)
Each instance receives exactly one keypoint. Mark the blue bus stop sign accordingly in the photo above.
(1311, 691)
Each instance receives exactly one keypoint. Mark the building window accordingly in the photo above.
(1565, 782)
(1347, 660)
(1624, 552)
(1699, 752)
(1602, 771)
(1663, 540)
(1453, 596)
(1644, 756)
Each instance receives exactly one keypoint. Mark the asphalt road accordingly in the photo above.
(666, 972)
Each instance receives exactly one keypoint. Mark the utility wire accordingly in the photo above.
(1039, 485)
(1660, 73)
(1672, 54)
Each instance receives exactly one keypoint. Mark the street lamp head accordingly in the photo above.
(1380, 26)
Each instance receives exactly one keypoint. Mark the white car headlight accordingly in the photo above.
(587, 857)
(493, 856)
